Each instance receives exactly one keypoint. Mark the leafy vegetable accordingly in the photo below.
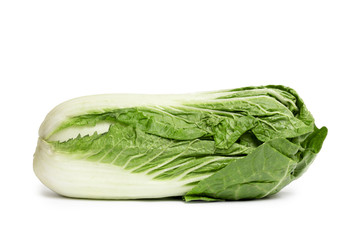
(227, 145)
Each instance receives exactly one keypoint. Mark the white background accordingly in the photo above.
(51, 51)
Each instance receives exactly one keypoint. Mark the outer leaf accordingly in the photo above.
(258, 175)
(264, 172)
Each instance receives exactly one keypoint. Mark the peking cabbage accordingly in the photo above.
(244, 143)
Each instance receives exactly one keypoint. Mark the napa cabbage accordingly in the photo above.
(243, 143)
